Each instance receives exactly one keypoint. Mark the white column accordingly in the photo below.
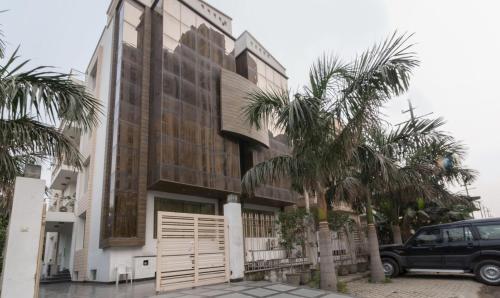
(21, 255)
(232, 212)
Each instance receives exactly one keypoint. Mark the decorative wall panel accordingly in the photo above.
(234, 92)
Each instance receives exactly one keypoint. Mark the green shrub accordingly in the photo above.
(342, 287)
(315, 280)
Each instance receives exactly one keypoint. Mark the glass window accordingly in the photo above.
(132, 13)
(129, 35)
(468, 234)
(261, 67)
(132, 19)
(173, 7)
(188, 17)
(428, 237)
(489, 232)
(284, 83)
(457, 234)
(169, 43)
(172, 27)
(229, 44)
(269, 73)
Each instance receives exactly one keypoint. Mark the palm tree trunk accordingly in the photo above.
(376, 269)
(351, 244)
(306, 200)
(311, 243)
(327, 266)
(396, 229)
(396, 234)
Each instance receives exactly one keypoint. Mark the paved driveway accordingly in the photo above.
(418, 286)
(145, 289)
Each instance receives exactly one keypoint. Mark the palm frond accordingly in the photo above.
(25, 138)
(325, 122)
(326, 76)
(2, 44)
(269, 171)
(46, 95)
(349, 189)
(264, 105)
(386, 68)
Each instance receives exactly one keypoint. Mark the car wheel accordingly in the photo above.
(391, 267)
(488, 272)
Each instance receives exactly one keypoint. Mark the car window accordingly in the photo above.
(468, 234)
(489, 232)
(428, 237)
(459, 234)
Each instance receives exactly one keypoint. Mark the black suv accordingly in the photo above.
(459, 247)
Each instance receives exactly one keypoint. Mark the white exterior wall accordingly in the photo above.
(23, 239)
(97, 258)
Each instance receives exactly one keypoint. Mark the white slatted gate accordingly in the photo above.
(192, 250)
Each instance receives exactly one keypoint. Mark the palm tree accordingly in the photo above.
(324, 122)
(32, 102)
(397, 162)
(424, 177)
(378, 169)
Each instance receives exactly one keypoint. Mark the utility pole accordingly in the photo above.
(466, 189)
(411, 110)
(488, 211)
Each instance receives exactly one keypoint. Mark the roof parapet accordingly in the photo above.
(248, 41)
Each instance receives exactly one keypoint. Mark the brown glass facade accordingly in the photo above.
(165, 116)
(123, 209)
(267, 78)
(188, 147)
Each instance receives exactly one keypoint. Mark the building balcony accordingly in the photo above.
(62, 176)
(61, 204)
(58, 219)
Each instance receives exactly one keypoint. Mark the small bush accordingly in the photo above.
(315, 280)
(342, 287)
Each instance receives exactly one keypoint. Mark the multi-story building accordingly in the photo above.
(172, 80)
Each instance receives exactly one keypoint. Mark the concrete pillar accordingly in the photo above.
(232, 212)
(23, 239)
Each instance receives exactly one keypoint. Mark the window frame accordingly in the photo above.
(478, 226)
(463, 227)
(416, 244)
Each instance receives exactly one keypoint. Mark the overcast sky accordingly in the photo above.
(458, 43)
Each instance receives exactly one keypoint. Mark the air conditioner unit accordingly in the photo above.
(144, 267)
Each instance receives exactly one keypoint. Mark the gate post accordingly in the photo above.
(232, 212)
(22, 253)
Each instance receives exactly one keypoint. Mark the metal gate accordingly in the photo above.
(192, 250)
